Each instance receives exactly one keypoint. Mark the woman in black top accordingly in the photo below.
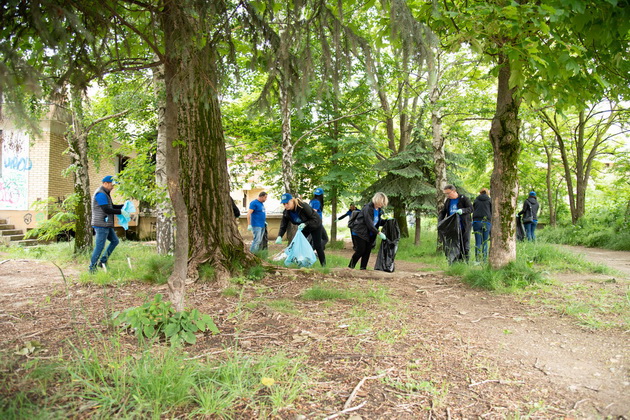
(365, 230)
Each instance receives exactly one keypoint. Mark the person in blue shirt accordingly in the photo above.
(459, 204)
(317, 204)
(299, 213)
(365, 230)
(348, 213)
(256, 220)
(103, 212)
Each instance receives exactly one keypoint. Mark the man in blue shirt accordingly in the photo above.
(256, 220)
(103, 212)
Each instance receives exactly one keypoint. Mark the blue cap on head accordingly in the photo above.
(318, 191)
(286, 197)
(532, 193)
(108, 178)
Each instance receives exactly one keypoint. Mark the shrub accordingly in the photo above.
(159, 319)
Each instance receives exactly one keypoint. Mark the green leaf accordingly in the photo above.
(189, 337)
(171, 329)
(149, 331)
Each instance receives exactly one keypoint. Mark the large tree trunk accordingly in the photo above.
(288, 177)
(206, 228)
(504, 181)
(400, 214)
(165, 231)
(580, 170)
(550, 198)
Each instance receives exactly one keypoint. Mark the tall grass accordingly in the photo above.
(107, 380)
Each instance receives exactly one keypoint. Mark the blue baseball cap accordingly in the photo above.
(109, 178)
(318, 191)
(532, 193)
(286, 197)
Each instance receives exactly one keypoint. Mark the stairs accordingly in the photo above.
(11, 236)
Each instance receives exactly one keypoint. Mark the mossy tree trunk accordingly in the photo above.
(504, 182)
(198, 181)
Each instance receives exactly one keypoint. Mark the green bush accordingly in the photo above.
(158, 318)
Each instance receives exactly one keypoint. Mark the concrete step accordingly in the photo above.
(4, 226)
(11, 239)
(10, 232)
(3, 221)
(28, 242)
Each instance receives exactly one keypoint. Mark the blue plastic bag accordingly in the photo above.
(122, 220)
(300, 252)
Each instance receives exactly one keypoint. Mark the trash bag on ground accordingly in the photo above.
(450, 231)
(520, 229)
(300, 252)
(389, 247)
(122, 220)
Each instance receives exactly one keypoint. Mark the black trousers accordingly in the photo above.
(362, 250)
(316, 238)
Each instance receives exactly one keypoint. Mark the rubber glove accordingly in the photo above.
(382, 236)
(125, 214)
(301, 226)
(279, 240)
(459, 211)
(250, 228)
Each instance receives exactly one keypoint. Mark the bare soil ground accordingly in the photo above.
(440, 348)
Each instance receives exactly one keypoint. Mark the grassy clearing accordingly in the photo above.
(608, 234)
(105, 381)
(320, 292)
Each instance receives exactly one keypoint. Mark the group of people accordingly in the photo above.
(308, 218)
(364, 224)
(478, 215)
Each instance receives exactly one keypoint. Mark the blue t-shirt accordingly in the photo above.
(295, 217)
(101, 199)
(259, 216)
(317, 206)
(452, 206)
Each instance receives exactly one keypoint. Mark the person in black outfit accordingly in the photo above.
(365, 230)
(530, 215)
(482, 216)
(299, 213)
(460, 204)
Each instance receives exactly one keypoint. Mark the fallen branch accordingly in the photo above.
(345, 410)
(502, 382)
(360, 384)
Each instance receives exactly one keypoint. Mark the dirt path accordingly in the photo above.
(617, 260)
(483, 355)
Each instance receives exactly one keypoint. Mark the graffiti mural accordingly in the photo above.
(16, 165)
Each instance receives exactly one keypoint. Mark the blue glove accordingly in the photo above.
(301, 226)
(279, 240)
(382, 236)
(459, 211)
(125, 214)
(250, 228)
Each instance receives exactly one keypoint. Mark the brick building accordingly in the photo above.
(32, 168)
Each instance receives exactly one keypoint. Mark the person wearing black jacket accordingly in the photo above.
(530, 215)
(461, 205)
(481, 225)
(308, 221)
(365, 229)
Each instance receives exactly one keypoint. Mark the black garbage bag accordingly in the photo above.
(264, 243)
(450, 231)
(520, 229)
(389, 247)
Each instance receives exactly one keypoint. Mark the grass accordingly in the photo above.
(106, 380)
(589, 233)
(320, 292)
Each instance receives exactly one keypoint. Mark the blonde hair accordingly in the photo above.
(380, 199)
(484, 191)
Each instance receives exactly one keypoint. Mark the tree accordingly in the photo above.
(581, 140)
(539, 52)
